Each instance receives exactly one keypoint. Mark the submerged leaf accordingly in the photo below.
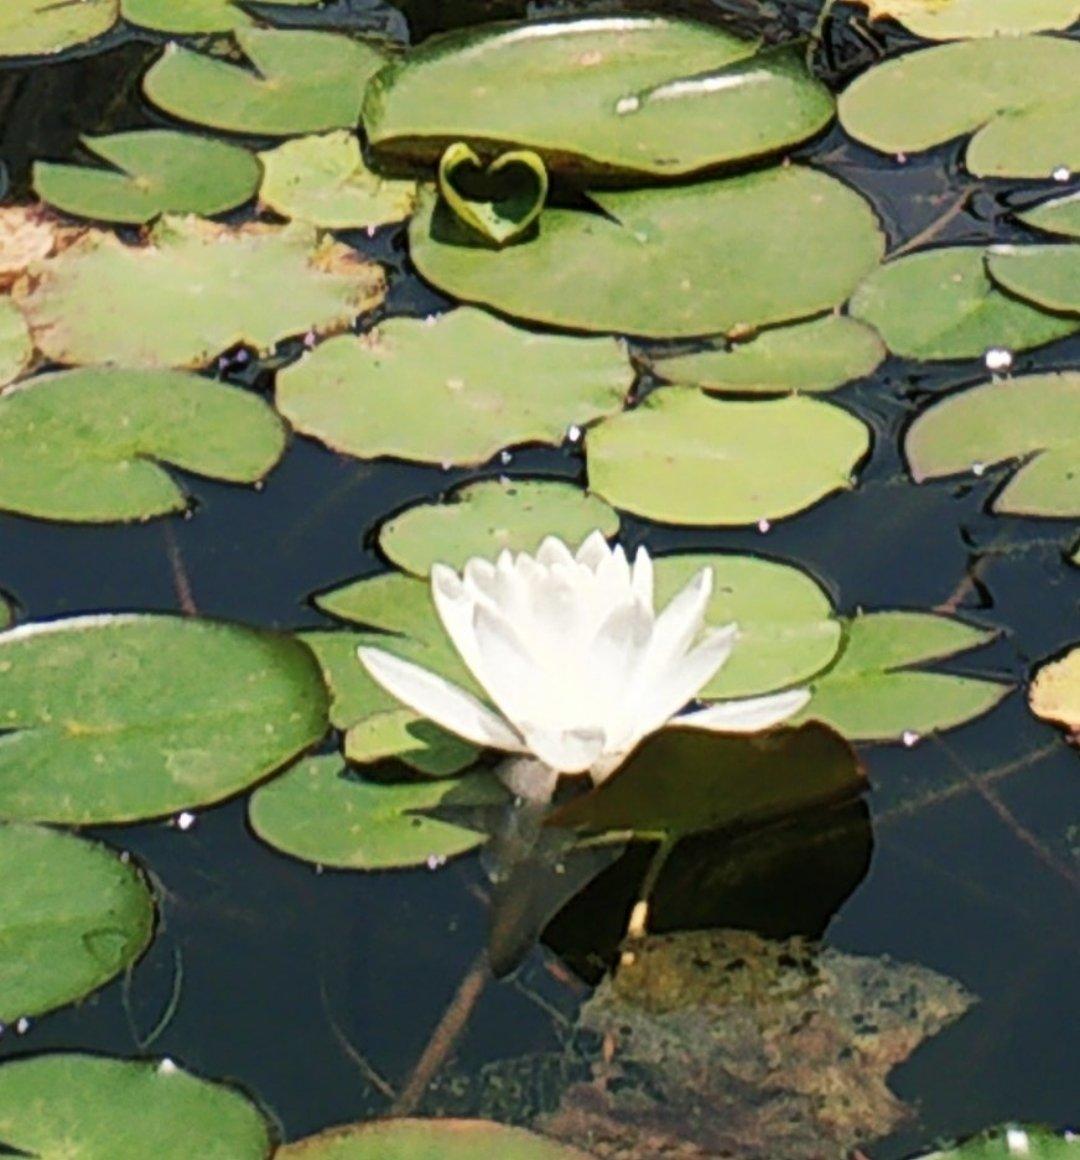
(188, 17)
(42, 27)
(1055, 692)
(960, 19)
(403, 1139)
(16, 348)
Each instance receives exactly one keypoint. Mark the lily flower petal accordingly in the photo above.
(747, 716)
(565, 750)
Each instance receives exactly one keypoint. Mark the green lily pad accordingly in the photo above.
(1038, 1144)
(781, 244)
(402, 735)
(86, 1107)
(627, 95)
(323, 180)
(1055, 692)
(117, 718)
(960, 19)
(88, 445)
(683, 458)
(72, 916)
(486, 518)
(499, 202)
(1046, 276)
(1061, 215)
(293, 82)
(191, 17)
(389, 603)
(190, 293)
(42, 27)
(452, 390)
(153, 171)
(872, 692)
(320, 812)
(1033, 420)
(1019, 95)
(16, 349)
(427, 1140)
(942, 304)
(809, 357)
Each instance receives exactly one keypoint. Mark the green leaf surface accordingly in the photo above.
(118, 718)
(452, 390)
(320, 812)
(1060, 215)
(291, 82)
(43, 27)
(402, 735)
(1046, 276)
(779, 245)
(88, 1107)
(808, 357)
(1055, 692)
(942, 304)
(89, 445)
(153, 171)
(492, 516)
(961, 19)
(498, 202)
(1004, 1143)
(649, 95)
(192, 17)
(1033, 420)
(684, 458)
(1019, 95)
(72, 916)
(16, 348)
(194, 290)
(872, 693)
(323, 179)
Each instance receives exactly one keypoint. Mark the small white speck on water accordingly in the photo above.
(626, 105)
(763, 525)
(22, 1026)
(910, 738)
(901, 159)
(125, 856)
(505, 457)
(319, 867)
(371, 231)
(435, 861)
(978, 469)
(1018, 1142)
(1061, 174)
(997, 358)
(167, 1067)
(573, 433)
(185, 820)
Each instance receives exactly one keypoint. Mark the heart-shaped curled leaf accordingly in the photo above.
(499, 202)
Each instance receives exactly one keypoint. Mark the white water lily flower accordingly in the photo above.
(576, 659)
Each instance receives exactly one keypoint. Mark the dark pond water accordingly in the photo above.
(965, 860)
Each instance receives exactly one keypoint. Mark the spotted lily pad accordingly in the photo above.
(323, 180)
(942, 304)
(72, 916)
(16, 349)
(485, 518)
(191, 17)
(1019, 95)
(293, 82)
(781, 244)
(1005, 1143)
(192, 291)
(683, 458)
(960, 19)
(87, 445)
(90, 1107)
(873, 692)
(498, 202)
(153, 171)
(1033, 420)
(1055, 692)
(1061, 215)
(117, 718)
(455, 389)
(641, 95)
(42, 27)
(323, 813)
(427, 1140)
(1046, 276)
(809, 357)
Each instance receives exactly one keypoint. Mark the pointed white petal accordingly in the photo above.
(553, 551)
(521, 688)
(593, 551)
(642, 579)
(440, 701)
(747, 716)
(455, 601)
(565, 750)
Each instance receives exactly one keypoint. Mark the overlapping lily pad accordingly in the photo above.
(1060, 215)
(116, 718)
(402, 735)
(28, 233)
(292, 82)
(942, 304)
(454, 389)
(16, 349)
(190, 17)
(1034, 1142)
(192, 291)
(960, 19)
(1055, 692)
(89, 1107)
(88, 445)
(72, 916)
(710, 258)
(485, 518)
(1034, 420)
(150, 172)
(1046, 276)
(321, 812)
(1019, 95)
(809, 357)
(43, 27)
(683, 458)
(323, 179)
(873, 692)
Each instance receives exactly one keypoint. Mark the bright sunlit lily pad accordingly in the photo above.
(91, 1107)
(486, 518)
(194, 290)
(116, 718)
(780, 244)
(16, 348)
(1060, 215)
(684, 458)
(293, 82)
(149, 172)
(72, 916)
(323, 179)
(1055, 692)
(89, 445)
(960, 19)
(1004, 1143)
(43, 27)
(1046, 276)
(1033, 420)
(190, 17)
(455, 389)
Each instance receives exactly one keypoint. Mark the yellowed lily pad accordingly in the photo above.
(1055, 692)
(960, 19)
(43, 27)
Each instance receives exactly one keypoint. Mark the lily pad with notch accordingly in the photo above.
(44, 27)
(499, 202)
(196, 17)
